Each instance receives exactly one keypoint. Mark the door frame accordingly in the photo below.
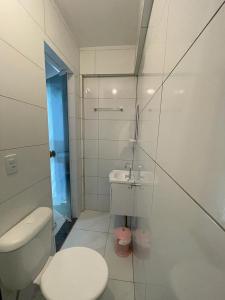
(61, 66)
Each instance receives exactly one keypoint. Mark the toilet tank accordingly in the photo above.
(25, 249)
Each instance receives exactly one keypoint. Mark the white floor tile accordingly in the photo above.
(118, 290)
(120, 268)
(94, 221)
(83, 238)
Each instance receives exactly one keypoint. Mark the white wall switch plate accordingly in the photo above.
(10, 164)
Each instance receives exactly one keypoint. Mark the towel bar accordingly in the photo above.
(108, 109)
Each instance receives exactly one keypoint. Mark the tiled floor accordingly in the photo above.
(94, 230)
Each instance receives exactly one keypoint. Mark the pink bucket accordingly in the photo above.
(122, 241)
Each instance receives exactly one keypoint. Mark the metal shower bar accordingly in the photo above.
(108, 109)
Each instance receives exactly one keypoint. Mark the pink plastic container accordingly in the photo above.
(122, 241)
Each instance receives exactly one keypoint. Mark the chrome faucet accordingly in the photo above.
(128, 165)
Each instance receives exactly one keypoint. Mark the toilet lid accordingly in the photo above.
(76, 273)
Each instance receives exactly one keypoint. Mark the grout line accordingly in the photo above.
(22, 147)
(110, 99)
(156, 151)
(98, 168)
(186, 192)
(106, 245)
(115, 140)
(90, 230)
(182, 57)
(194, 41)
(23, 102)
(121, 280)
(108, 75)
(30, 15)
(18, 51)
(25, 189)
(97, 119)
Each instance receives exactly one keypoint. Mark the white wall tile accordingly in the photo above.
(89, 106)
(21, 124)
(91, 148)
(91, 185)
(128, 112)
(123, 87)
(116, 130)
(149, 125)
(105, 126)
(91, 129)
(91, 201)
(59, 33)
(87, 62)
(115, 61)
(103, 186)
(20, 31)
(191, 150)
(72, 105)
(97, 202)
(187, 14)
(13, 210)
(184, 251)
(23, 78)
(35, 9)
(90, 88)
(27, 79)
(91, 167)
(193, 111)
(146, 89)
(79, 108)
(115, 150)
(103, 202)
(74, 128)
(32, 164)
(154, 50)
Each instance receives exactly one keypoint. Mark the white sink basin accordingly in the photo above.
(122, 190)
(120, 176)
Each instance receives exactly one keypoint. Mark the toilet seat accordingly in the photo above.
(76, 273)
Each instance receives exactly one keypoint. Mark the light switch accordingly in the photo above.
(10, 164)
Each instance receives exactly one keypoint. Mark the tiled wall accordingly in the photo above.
(179, 229)
(75, 143)
(24, 26)
(107, 60)
(106, 134)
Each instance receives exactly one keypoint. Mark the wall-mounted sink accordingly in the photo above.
(120, 176)
(122, 188)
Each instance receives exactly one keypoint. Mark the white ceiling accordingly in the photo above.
(102, 22)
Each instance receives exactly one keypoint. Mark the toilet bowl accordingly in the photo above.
(74, 273)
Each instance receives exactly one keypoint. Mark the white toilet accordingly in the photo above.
(76, 273)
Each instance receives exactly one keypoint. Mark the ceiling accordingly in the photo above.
(98, 23)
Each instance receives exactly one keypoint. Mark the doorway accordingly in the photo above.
(58, 129)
